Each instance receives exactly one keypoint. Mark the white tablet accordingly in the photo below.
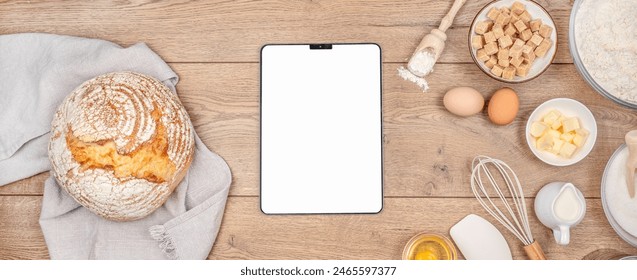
(321, 129)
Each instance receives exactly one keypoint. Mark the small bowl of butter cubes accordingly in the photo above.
(561, 131)
(513, 41)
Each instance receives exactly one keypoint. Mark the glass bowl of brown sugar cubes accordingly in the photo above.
(513, 41)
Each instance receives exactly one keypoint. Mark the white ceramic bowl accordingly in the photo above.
(567, 107)
(541, 63)
(612, 178)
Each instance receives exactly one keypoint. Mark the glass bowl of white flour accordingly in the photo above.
(603, 43)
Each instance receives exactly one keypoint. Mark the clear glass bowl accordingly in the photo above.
(572, 45)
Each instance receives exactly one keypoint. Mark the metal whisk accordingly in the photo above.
(513, 216)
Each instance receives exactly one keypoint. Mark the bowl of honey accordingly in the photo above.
(429, 246)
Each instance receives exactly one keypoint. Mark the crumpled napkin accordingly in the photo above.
(36, 72)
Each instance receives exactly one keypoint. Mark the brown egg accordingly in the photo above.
(503, 106)
(463, 101)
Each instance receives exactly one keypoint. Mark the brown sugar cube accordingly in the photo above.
(505, 41)
(523, 69)
(505, 10)
(497, 70)
(545, 31)
(504, 62)
(503, 19)
(503, 54)
(510, 30)
(519, 42)
(477, 41)
(516, 61)
(529, 43)
(530, 59)
(519, 25)
(490, 37)
(483, 26)
(514, 17)
(543, 48)
(493, 13)
(525, 16)
(491, 48)
(482, 55)
(508, 73)
(527, 50)
(535, 24)
(517, 8)
(497, 31)
(515, 51)
(492, 61)
(526, 35)
(536, 39)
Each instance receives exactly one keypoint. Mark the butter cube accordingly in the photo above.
(493, 13)
(551, 117)
(489, 37)
(582, 131)
(557, 145)
(557, 124)
(554, 133)
(545, 143)
(477, 41)
(505, 41)
(568, 137)
(545, 31)
(579, 140)
(538, 129)
(517, 8)
(571, 124)
(497, 70)
(567, 150)
(519, 25)
(535, 24)
(508, 73)
(497, 31)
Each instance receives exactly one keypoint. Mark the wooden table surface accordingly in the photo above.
(214, 47)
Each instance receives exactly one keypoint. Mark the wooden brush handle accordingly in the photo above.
(534, 251)
(448, 19)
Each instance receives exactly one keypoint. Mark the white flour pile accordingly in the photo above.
(606, 36)
(421, 64)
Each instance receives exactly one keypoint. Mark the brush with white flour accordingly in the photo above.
(428, 51)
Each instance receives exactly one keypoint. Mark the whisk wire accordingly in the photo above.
(517, 219)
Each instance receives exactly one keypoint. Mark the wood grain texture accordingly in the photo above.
(230, 31)
(427, 150)
(248, 234)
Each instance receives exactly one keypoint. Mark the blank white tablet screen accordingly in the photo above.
(321, 138)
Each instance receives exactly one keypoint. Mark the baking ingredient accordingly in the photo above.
(463, 101)
(429, 247)
(120, 144)
(503, 106)
(567, 206)
(558, 134)
(510, 209)
(606, 37)
(620, 209)
(429, 50)
(513, 39)
(631, 162)
(478, 239)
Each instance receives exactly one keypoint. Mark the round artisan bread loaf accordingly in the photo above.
(120, 144)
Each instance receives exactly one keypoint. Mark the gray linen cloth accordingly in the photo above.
(36, 72)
